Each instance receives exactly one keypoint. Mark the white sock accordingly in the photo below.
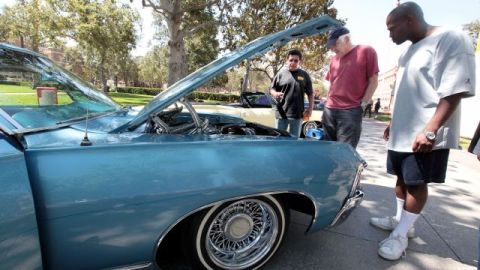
(405, 223)
(400, 204)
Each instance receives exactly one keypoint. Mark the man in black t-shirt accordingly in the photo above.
(288, 88)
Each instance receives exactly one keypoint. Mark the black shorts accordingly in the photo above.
(419, 168)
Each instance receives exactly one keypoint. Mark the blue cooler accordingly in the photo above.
(316, 133)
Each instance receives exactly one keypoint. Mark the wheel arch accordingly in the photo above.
(297, 201)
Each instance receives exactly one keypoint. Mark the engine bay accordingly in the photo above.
(181, 118)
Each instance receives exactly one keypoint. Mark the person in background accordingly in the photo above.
(377, 108)
(353, 77)
(288, 89)
(435, 72)
(368, 109)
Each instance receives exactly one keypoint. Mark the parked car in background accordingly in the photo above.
(88, 184)
(256, 107)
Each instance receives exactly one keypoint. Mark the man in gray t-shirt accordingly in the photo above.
(288, 89)
(434, 74)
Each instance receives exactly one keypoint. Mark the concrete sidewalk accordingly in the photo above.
(446, 232)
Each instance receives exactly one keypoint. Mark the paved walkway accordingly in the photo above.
(447, 231)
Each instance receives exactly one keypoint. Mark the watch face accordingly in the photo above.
(430, 135)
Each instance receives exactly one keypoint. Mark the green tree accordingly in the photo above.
(182, 20)
(152, 68)
(473, 29)
(104, 30)
(34, 23)
(255, 18)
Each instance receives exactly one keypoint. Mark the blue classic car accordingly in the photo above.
(88, 184)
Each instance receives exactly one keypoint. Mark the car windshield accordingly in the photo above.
(37, 93)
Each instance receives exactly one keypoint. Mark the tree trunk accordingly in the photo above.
(177, 57)
(103, 78)
(246, 77)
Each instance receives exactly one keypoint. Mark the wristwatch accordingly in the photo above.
(431, 136)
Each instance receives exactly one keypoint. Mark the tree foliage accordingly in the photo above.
(153, 67)
(183, 19)
(255, 18)
(33, 23)
(105, 32)
(473, 29)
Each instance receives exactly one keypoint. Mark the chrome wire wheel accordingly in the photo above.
(308, 125)
(241, 235)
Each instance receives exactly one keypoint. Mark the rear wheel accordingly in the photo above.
(242, 234)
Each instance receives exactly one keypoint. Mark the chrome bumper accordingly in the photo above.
(353, 200)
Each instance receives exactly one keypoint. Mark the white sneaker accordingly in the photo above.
(389, 224)
(393, 247)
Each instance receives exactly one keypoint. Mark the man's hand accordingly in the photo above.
(277, 95)
(422, 144)
(364, 104)
(307, 114)
(386, 133)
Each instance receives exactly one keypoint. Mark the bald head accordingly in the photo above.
(406, 22)
(408, 9)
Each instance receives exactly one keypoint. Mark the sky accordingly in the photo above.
(364, 18)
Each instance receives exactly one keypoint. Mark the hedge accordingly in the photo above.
(192, 96)
(213, 96)
(139, 90)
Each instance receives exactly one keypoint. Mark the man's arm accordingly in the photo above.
(309, 110)
(372, 85)
(446, 106)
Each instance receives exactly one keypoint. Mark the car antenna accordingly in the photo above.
(86, 141)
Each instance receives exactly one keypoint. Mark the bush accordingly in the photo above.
(213, 96)
(139, 90)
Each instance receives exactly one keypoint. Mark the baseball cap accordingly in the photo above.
(335, 34)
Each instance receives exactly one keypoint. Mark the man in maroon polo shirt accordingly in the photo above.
(353, 77)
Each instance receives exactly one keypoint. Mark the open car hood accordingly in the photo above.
(255, 48)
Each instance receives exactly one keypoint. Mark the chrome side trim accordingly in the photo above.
(349, 205)
(356, 181)
(141, 266)
(167, 231)
(353, 199)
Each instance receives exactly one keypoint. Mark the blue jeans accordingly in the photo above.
(294, 125)
(343, 125)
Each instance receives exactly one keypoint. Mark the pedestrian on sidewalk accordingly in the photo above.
(353, 77)
(377, 108)
(368, 109)
(435, 72)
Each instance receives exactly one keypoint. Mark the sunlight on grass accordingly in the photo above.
(130, 99)
(4, 88)
(30, 99)
(383, 118)
(464, 143)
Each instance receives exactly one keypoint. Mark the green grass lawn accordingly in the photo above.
(30, 99)
(5, 88)
(464, 143)
(384, 117)
(130, 99)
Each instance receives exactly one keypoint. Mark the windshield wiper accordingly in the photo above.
(90, 115)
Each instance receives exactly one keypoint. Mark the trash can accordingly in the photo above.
(47, 95)
(316, 133)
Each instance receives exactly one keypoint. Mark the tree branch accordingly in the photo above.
(164, 8)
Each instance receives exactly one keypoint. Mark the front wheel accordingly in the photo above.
(308, 125)
(242, 234)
